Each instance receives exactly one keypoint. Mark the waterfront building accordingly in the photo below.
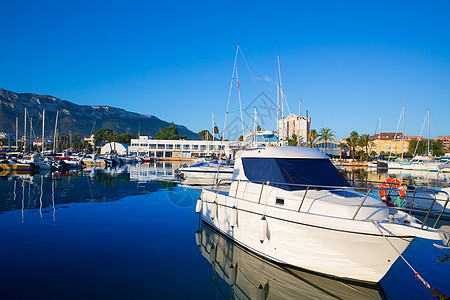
(445, 141)
(300, 126)
(90, 140)
(390, 142)
(181, 149)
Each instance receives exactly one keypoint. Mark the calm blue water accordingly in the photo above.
(122, 234)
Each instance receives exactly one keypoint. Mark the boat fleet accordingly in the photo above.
(61, 162)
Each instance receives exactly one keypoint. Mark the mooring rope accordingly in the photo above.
(435, 292)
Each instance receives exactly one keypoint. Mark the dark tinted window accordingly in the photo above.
(316, 172)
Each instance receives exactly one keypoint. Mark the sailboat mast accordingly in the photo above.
(282, 101)
(17, 133)
(403, 131)
(428, 133)
(229, 93)
(299, 120)
(240, 103)
(25, 132)
(213, 134)
(254, 130)
(43, 128)
(31, 134)
(379, 136)
(56, 128)
(278, 113)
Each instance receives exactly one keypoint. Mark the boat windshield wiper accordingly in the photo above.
(292, 177)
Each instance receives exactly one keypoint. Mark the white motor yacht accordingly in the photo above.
(291, 205)
(36, 160)
(207, 170)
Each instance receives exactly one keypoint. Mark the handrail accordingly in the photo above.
(362, 202)
(303, 199)
(412, 208)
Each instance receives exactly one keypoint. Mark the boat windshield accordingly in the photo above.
(315, 172)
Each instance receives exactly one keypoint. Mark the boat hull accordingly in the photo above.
(292, 240)
(206, 173)
(16, 167)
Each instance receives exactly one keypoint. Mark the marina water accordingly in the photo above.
(132, 233)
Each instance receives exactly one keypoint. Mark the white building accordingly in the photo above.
(181, 149)
(114, 147)
(300, 126)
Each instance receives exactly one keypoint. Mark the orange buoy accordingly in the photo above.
(392, 182)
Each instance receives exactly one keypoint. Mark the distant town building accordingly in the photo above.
(90, 140)
(445, 141)
(39, 143)
(390, 142)
(300, 126)
(333, 148)
(410, 137)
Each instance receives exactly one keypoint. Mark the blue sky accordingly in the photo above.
(349, 61)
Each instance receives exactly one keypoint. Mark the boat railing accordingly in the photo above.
(410, 201)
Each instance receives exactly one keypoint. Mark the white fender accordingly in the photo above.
(233, 216)
(199, 205)
(213, 210)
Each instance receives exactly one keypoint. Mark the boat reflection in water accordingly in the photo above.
(250, 276)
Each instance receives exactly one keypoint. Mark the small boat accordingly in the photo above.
(291, 205)
(92, 160)
(37, 161)
(208, 170)
(146, 159)
(9, 165)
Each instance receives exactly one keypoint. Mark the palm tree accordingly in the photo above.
(292, 141)
(341, 146)
(312, 138)
(352, 142)
(325, 135)
(365, 141)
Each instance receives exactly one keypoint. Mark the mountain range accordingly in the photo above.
(74, 118)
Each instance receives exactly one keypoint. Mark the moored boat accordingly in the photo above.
(9, 165)
(291, 205)
(208, 170)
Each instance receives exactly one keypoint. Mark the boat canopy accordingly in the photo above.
(303, 171)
